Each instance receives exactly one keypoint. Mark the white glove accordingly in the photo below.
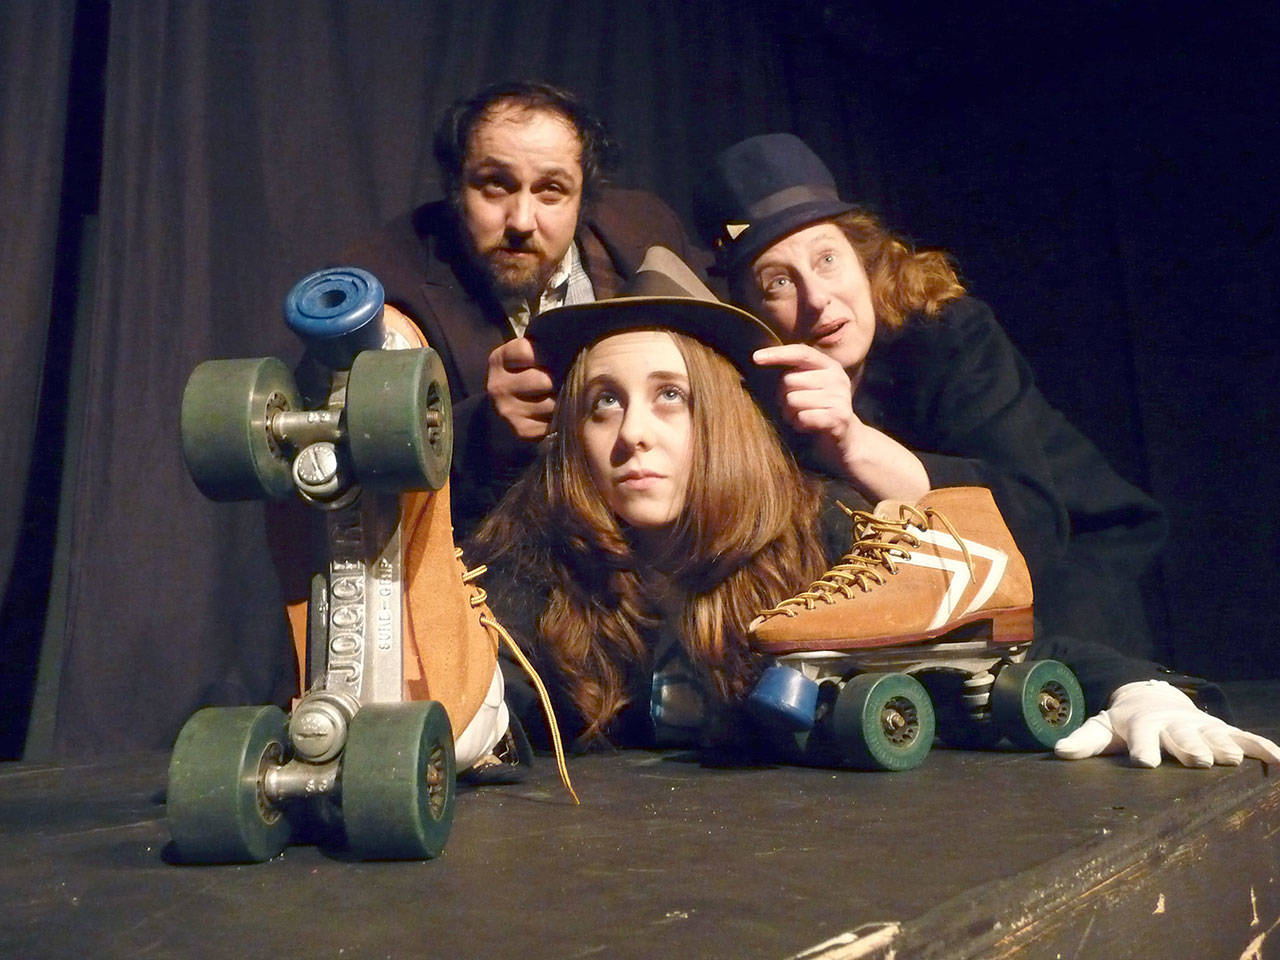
(1150, 714)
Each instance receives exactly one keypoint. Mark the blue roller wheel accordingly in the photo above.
(784, 697)
(1036, 703)
(215, 803)
(398, 777)
(883, 721)
(337, 313)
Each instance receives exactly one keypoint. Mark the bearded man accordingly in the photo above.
(527, 224)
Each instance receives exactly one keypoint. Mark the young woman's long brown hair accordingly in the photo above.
(747, 537)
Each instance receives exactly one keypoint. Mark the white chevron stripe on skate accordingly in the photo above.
(956, 585)
(998, 559)
(959, 571)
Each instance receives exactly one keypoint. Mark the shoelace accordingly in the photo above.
(878, 541)
(478, 597)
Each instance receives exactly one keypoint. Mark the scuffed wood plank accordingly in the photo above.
(1196, 881)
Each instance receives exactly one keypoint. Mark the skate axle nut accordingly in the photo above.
(315, 470)
(318, 725)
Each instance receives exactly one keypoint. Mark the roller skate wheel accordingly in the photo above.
(228, 443)
(785, 697)
(883, 721)
(337, 313)
(215, 803)
(398, 780)
(399, 420)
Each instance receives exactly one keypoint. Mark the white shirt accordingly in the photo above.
(569, 284)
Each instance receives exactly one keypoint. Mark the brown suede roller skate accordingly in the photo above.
(397, 649)
(933, 597)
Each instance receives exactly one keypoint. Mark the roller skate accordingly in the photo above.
(928, 617)
(396, 647)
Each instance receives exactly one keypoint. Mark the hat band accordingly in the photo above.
(796, 196)
(791, 197)
(654, 283)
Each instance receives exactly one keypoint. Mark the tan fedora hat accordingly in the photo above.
(664, 294)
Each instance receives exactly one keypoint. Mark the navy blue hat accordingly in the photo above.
(760, 190)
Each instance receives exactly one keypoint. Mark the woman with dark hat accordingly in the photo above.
(900, 383)
(664, 516)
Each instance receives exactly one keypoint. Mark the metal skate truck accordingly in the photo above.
(354, 750)
(922, 627)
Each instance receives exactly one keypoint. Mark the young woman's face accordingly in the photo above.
(638, 433)
(811, 288)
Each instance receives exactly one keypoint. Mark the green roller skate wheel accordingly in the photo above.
(215, 803)
(399, 420)
(883, 721)
(1036, 703)
(398, 781)
(227, 442)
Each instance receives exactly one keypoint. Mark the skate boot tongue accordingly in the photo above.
(904, 514)
(892, 523)
(918, 517)
(892, 510)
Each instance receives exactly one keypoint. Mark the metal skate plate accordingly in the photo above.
(968, 656)
(362, 638)
(366, 576)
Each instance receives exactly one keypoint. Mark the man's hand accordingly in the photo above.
(815, 394)
(520, 391)
(1145, 716)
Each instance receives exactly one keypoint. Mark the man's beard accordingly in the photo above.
(524, 274)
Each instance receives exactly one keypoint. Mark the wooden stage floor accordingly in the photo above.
(974, 854)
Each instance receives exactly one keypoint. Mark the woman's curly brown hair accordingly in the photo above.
(903, 280)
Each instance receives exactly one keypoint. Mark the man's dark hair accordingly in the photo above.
(459, 121)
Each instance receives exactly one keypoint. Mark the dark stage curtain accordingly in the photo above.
(244, 144)
(35, 54)
(1106, 183)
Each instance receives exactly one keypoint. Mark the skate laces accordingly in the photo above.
(478, 597)
(877, 543)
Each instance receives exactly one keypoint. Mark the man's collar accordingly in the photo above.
(552, 295)
(560, 276)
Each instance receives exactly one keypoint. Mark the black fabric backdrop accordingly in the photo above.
(35, 53)
(1106, 180)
